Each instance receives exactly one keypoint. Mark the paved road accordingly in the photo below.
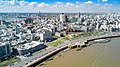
(49, 49)
(37, 55)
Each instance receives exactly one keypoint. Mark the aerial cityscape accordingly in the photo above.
(62, 33)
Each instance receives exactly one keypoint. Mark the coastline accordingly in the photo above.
(93, 38)
(87, 57)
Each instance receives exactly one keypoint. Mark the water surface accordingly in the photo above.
(97, 55)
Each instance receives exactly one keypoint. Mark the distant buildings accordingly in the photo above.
(28, 31)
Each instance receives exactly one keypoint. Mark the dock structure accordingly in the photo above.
(77, 44)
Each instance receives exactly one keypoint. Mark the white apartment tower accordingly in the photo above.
(63, 17)
(78, 17)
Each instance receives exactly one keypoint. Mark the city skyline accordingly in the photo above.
(34, 32)
(85, 6)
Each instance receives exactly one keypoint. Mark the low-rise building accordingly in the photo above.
(30, 47)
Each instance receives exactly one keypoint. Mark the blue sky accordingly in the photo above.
(60, 6)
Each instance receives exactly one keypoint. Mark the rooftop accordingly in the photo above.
(29, 45)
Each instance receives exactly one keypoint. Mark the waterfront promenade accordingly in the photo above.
(45, 53)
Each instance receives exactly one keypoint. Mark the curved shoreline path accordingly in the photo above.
(37, 56)
(97, 55)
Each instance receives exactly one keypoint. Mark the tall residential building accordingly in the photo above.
(39, 14)
(63, 18)
(78, 17)
(1, 22)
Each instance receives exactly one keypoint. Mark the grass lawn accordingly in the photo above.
(56, 36)
(55, 42)
(73, 37)
(9, 61)
(85, 35)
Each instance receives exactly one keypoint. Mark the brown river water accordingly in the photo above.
(96, 55)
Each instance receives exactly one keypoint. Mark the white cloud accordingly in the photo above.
(22, 3)
(104, 0)
(43, 5)
(33, 4)
(89, 2)
(58, 4)
(24, 6)
(70, 4)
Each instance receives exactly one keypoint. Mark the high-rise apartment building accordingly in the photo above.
(63, 17)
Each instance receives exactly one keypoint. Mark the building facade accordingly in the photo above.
(5, 50)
